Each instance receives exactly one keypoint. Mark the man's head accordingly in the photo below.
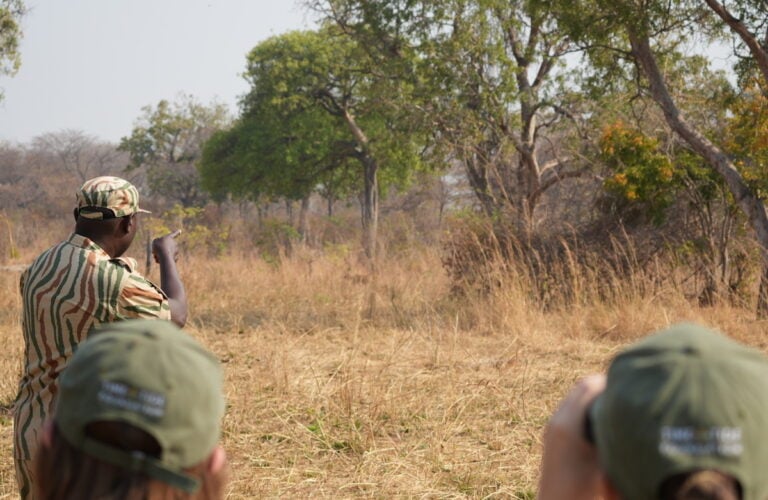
(107, 197)
(682, 400)
(153, 380)
(106, 212)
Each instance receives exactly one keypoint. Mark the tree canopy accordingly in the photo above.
(317, 117)
(167, 140)
(11, 12)
(491, 77)
(649, 36)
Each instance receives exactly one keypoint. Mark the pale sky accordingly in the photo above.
(91, 65)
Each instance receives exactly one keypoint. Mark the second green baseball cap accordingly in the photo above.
(684, 399)
(155, 377)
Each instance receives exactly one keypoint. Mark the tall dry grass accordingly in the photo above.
(343, 386)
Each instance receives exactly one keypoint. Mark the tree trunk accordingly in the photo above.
(756, 48)
(750, 205)
(262, 210)
(370, 207)
(304, 220)
(477, 175)
(762, 296)
(289, 211)
(370, 204)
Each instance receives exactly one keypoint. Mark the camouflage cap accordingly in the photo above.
(153, 376)
(684, 399)
(107, 197)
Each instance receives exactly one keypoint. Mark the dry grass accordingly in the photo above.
(340, 387)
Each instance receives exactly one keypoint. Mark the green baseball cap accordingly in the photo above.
(153, 376)
(107, 197)
(684, 399)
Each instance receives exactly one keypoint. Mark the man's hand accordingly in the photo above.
(166, 245)
(166, 252)
(569, 467)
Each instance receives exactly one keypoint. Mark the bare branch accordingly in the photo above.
(750, 39)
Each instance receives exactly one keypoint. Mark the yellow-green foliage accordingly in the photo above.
(747, 137)
(196, 234)
(641, 175)
(7, 244)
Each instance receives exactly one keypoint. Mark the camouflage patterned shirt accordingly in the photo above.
(67, 290)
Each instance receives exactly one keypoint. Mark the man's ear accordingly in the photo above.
(127, 223)
(217, 460)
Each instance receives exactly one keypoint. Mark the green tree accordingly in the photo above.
(167, 140)
(648, 36)
(659, 180)
(11, 12)
(317, 117)
(491, 90)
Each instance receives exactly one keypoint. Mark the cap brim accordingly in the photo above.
(139, 462)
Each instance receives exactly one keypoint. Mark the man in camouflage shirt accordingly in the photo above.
(79, 284)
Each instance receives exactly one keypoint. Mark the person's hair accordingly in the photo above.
(63, 471)
(700, 485)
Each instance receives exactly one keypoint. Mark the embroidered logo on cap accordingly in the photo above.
(141, 401)
(701, 441)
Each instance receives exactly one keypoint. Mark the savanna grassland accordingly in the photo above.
(340, 385)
